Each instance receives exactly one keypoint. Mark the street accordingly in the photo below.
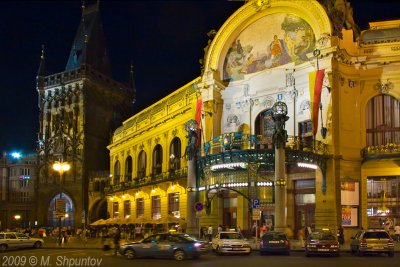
(97, 257)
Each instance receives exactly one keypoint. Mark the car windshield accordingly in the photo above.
(188, 237)
(230, 236)
(322, 236)
(376, 235)
(275, 236)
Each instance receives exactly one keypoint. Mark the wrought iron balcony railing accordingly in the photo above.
(147, 180)
(240, 141)
(391, 150)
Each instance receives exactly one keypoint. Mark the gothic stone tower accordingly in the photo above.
(79, 109)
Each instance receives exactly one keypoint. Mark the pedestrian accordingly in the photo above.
(117, 238)
(209, 233)
(397, 232)
(341, 235)
(239, 230)
(220, 229)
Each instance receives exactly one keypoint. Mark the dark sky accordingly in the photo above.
(163, 39)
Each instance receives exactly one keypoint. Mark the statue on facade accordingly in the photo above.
(211, 34)
(279, 112)
(192, 130)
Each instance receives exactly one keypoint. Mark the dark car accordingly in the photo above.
(322, 242)
(274, 242)
(372, 241)
(168, 245)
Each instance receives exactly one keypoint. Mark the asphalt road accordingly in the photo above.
(99, 258)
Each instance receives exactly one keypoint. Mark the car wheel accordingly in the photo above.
(3, 248)
(391, 254)
(130, 254)
(179, 255)
(37, 244)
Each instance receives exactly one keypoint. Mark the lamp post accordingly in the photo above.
(279, 115)
(60, 167)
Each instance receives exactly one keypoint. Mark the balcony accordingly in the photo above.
(391, 150)
(238, 141)
(147, 180)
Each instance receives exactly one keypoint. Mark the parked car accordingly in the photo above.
(372, 241)
(322, 242)
(13, 240)
(230, 243)
(166, 245)
(274, 242)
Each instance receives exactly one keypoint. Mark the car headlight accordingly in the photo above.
(197, 245)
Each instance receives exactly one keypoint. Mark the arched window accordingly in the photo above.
(382, 121)
(157, 160)
(175, 154)
(117, 172)
(128, 169)
(141, 172)
(264, 127)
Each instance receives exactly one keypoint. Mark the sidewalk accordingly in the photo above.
(96, 243)
(298, 245)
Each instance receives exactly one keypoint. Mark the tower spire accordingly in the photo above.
(89, 45)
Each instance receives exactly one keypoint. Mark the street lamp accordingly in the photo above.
(60, 167)
(279, 115)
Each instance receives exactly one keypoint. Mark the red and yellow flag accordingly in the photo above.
(315, 78)
(199, 106)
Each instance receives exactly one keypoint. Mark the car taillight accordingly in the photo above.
(363, 241)
(197, 245)
(286, 243)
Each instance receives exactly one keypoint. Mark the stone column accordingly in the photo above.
(279, 111)
(191, 154)
(280, 190)
(192, 197)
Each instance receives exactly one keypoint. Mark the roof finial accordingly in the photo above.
(132, 83)
(42, 56)
(42, 69)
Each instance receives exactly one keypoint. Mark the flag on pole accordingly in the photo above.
(199, 106)
(315, 78)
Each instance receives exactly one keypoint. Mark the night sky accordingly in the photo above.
(163, 39)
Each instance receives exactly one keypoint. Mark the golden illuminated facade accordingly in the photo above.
(149, 170)
(341, 89)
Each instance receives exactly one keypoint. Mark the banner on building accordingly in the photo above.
(316, 79)
(349, 216)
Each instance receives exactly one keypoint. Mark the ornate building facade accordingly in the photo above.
(79, 109)
(341, 89)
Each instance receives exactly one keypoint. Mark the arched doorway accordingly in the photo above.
(264, 126)
(99, 210)
(68, 218)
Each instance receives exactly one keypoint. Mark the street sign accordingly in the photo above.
(256, 214)
(198, 206)
(256, 203)
(60, 207)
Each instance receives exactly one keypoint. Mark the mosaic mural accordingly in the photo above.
(269, 42)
